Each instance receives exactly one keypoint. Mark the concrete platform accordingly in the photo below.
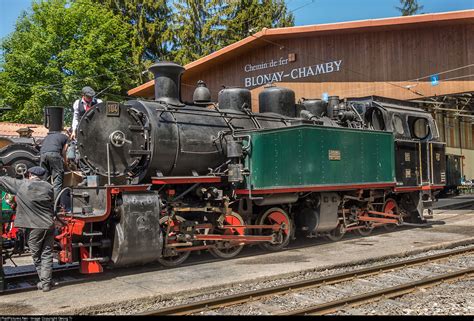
(152, 286)
(455, 202)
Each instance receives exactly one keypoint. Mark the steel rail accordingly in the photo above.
(388, 293)
(210, 304)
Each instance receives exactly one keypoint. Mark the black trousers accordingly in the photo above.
(40, 242)
(54, 164)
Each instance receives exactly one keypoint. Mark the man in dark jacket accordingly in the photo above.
(52, 155)
(34, 212)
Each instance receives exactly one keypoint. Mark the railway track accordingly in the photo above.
(27, 280)
(333, 289)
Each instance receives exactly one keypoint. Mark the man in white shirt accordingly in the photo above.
(82, 105)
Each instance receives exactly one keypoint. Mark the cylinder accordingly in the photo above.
(316, 107)
(235, 99)
(167, 82)
(54, 118)
(277, 100)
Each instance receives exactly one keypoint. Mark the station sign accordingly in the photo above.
(286, 75)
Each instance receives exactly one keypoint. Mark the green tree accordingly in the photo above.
(150, 21)
(196, 29)
(201, 27)
(247, 17)
(409, 7)
(57, 48)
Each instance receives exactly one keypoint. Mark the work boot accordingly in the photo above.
(39, 285)
(46, 288)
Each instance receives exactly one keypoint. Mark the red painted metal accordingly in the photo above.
(234, 225)
(377, 219)
(384, 214)
(240, 238)
(193, 248)
(73, 227)
(88, 267)
(315, 188)
(279, 218)
(185, 180)
(274, 227)
(9, 231)
(418, 188)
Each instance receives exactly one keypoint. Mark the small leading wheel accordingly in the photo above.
(171, 257)
(390, 207)
(272, 216)
(337, 234)
(229, 249)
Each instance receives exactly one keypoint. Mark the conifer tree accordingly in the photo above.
(409, 7)
(197, 29)
(150, 20)
(201, 27)
(247, 17)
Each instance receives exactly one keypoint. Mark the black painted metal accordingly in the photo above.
(155, 139)
(167, 82)
(201, 94)
(138, 236)
(333, 102)
(54, 118)
(407, 163)
(235, 98)
(17, 157)
(317, 107)
(277, 100)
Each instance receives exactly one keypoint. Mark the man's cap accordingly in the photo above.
(88, 91)
(37, 170)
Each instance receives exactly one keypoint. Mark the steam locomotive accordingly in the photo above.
(165, 178)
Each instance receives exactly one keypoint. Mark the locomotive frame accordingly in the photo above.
(176, 177)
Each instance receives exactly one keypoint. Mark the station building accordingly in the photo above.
(426, 58)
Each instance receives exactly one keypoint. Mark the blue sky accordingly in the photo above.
(306, 11)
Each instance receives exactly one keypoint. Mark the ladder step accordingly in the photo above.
(96, 259)
(91, 233)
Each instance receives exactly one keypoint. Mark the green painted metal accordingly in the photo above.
(299, 156)
(6, 212)
(5, 206)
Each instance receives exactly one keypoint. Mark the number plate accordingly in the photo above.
(113, 109)
(334, 154)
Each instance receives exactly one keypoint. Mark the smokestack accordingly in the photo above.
(167, 82)
(54, 118)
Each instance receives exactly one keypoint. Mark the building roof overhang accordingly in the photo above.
(266, 36)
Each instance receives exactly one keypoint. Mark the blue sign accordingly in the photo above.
(434, 80)
(325, 96)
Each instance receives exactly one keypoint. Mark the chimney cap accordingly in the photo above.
(161, 64)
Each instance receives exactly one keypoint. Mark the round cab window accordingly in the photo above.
(398, 125)
(377, 120)
(421, 128)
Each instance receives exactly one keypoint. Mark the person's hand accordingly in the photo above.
(73, 136)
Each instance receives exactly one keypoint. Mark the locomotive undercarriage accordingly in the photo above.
(169, 229)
